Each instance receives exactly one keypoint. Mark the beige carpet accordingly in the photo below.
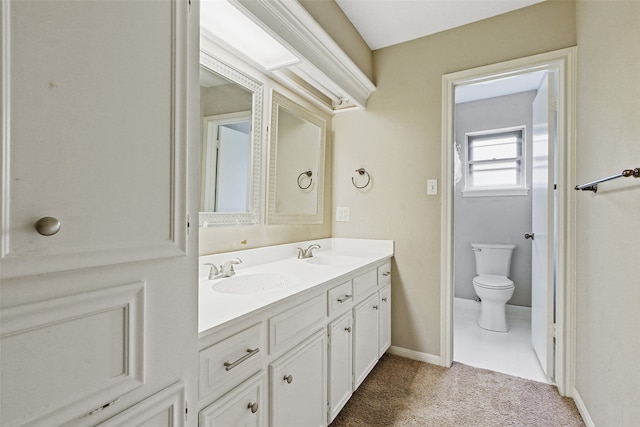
(403, 392)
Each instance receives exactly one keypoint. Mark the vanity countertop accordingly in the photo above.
(336, 257)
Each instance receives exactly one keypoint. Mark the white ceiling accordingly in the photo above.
(383, 23)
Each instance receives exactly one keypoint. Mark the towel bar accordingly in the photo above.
(593, 186)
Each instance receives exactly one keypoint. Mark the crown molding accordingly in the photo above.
(294, 27)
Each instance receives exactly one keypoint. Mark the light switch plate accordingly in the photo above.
(342, 214)
(432, 186)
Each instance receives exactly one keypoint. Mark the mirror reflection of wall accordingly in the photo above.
(296, 166)
(298, 152)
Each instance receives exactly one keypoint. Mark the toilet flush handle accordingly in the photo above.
(528, 235)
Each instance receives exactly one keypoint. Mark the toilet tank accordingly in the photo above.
(492, 258)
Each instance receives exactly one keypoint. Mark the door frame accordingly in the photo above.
(564, 61)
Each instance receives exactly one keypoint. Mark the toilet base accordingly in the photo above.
(493, 316)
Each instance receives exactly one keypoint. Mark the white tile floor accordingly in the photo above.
(507, 352)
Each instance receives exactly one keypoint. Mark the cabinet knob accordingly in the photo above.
(253, 407)
(47, 226)
(384, 300)
(288, 378)
(375, 307)
(386, 273)
(348, 329)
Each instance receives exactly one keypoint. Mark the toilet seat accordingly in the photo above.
(488, 281)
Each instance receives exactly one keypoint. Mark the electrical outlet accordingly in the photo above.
(432, 186)
(342, 214)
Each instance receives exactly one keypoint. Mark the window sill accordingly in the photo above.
(496, 192)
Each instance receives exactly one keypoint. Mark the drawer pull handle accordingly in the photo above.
(230, 365)
(344, 298)
(384, 300)
(253, 407)
(386, 273)
(348, 329)
(288, 378)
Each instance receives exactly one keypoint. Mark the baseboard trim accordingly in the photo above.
(584, 413)
(415, 355)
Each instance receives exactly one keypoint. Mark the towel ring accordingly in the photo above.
(307, 173)
(361, 171)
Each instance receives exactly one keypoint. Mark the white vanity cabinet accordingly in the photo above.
(298, 383)
(297, 361)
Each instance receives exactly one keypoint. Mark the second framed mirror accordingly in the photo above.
(296, 164)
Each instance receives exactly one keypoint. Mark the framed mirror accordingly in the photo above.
(296, 164)
(231, 113)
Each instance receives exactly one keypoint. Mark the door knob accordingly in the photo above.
(528, 235)
(47, 226)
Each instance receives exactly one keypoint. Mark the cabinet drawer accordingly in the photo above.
(340, 298)
(230, 361)
(286, 328)
(365, 284)
(384, 274)
(245, 405)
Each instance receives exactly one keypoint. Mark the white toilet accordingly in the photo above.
(492, 284)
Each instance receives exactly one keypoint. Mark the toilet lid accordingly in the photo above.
(493, 282)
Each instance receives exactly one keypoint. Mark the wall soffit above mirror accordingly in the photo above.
(252, 213)
(326, 75)
(296, 164)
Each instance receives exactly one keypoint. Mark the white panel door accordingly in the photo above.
(542, 253)
(102, 314)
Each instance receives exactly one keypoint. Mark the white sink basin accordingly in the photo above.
(258, 283)
(333, 260)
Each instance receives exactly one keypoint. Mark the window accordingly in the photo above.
(495, 163)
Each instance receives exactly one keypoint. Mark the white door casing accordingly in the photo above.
(100, 316)
(564, 61)
(542, 219)
(233, 171)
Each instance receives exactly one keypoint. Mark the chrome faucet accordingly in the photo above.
(307, 253)
(225, 270)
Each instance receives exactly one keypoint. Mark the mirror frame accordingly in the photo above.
(280, 101)
(253, 216)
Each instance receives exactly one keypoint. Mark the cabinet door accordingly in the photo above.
(299, 385)
(102, 98)
(243, 406)
(384, 333)
(340, 363)
(365, 338)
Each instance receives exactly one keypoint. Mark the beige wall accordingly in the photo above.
(608, 223)
(328, 14)
(398, 140)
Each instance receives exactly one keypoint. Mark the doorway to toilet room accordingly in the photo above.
(505, 148)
